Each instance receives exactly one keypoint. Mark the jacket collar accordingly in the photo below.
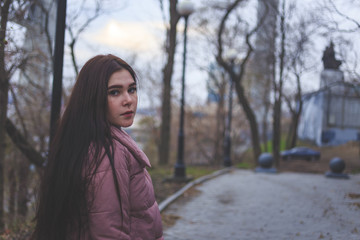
(130, 144)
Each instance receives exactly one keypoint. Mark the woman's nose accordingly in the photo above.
(127, 99)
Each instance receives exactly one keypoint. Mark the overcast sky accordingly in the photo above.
(138, 28)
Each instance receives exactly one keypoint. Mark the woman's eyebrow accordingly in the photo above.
(115, 86)
(121, 86)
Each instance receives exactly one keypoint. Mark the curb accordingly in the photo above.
(164, 204)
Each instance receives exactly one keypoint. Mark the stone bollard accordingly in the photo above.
(265, 161)
(337, 166)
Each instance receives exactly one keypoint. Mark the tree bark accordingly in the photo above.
(295, 120)
(278, 87)
(278, 93)
(12, 195)
(276, 131)
(22, 199)
(267, 103)
(4, 91)
(165, 131)
(295, 115)
(255, 140)
(73, 58)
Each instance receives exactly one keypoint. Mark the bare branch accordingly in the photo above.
(19, 140)
(346, 17)
(75, 34)
(18, 112)
(221, 30)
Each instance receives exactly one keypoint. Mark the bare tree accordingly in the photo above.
(338, 20)
(219, 82)
(299, 52)
(237, 74)
(77, 24)
(295, 112)
(170, 48)
(30, 97)
(278, 89)
(262, 69)
(5, 73)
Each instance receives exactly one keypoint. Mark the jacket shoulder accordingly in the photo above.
(123, 140)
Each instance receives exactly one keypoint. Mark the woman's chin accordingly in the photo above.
(125, 124)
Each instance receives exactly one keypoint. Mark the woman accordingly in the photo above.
(95, 184)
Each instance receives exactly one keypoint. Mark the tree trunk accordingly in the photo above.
(237, 78)
(292, 135)
(278, 93)
(220, 125)
(265, 129)
(19, 140)
(251, 120)
(165, 130)
(295, 126)
(276, 132)
(12, 195)
(4, 89)
(73, 58)
(164, 147)
(22, 199)
(266, 102)
(297, 112)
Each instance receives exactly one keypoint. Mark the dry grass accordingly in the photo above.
(348, 152)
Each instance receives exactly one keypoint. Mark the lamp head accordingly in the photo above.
(185, 8)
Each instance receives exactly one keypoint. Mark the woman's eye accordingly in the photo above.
(132, 90)
(113, 92)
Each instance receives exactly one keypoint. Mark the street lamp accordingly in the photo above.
(184, 8)
(58, 66)
(229, 56)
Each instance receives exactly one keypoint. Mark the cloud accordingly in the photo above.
(133, 36)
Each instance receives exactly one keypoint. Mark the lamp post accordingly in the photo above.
(230, 56)
(58, 66)
(184, 8)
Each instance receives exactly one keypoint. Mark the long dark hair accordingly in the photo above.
(82, 136)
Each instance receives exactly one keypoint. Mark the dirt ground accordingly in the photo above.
(165, 189)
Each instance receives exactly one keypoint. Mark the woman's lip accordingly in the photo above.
(127, 113)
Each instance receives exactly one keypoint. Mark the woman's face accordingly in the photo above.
(122, 99)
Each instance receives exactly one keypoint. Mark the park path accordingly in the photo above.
(246, 205)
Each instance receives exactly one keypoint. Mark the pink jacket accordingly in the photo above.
(141, 215)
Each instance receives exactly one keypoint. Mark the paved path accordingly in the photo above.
(255, 206)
